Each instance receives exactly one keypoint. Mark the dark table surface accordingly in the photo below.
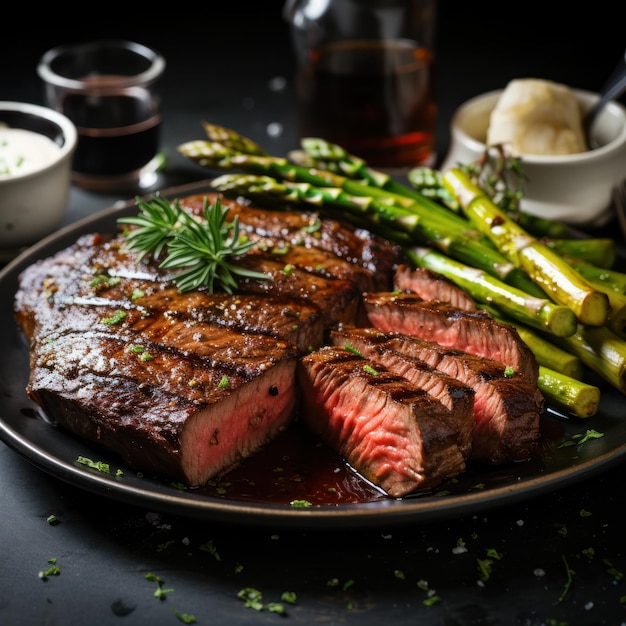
(557, 557)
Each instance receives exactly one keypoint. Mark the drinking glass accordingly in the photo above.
(365, 77)
(110, 90)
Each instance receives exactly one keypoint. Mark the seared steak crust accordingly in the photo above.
(475, 332)
(382, 425)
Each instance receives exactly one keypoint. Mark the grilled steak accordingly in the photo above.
(68, 279)
(381, 424)
(429, 285)
(506, 409)
(475, 332)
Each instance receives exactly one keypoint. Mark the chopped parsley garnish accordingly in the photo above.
(97, 465)
(353, 350)
(300, 504)
(117, 318)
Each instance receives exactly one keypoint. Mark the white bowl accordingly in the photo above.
(573, 188)
(33, 202)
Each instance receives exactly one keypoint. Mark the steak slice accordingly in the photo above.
(452, 393)
(430, 285)
(381, 424)
(475, 332)
(506, 409)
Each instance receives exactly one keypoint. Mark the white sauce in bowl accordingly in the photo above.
(23, 152)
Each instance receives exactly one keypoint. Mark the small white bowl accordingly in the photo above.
(33, 202)
(574, 188)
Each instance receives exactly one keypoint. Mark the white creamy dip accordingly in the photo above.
(24, 151)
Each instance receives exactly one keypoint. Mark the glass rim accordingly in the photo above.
(156, 60)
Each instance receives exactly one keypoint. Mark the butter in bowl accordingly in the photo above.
(541, 123)
(36, 149)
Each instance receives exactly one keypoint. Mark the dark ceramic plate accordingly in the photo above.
(480, 488)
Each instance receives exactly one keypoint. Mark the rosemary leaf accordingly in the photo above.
(205, 251)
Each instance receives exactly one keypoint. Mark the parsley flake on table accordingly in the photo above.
(185, 618)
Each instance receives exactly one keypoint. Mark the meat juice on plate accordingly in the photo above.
(118, 131)
(374, 98)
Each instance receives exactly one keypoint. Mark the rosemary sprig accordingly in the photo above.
(203, 250)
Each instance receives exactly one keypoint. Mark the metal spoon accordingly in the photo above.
(613, 88)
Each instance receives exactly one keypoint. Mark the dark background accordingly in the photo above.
(214, 47)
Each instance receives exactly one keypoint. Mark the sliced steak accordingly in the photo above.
(475, 332)
(452, 393)
(506, 409)
(430, 285)
(377, 421)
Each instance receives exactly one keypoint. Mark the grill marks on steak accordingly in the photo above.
(475, 332)
(168, 415)
(386, 428)
(506, 409)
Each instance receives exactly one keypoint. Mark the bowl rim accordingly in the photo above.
(67, 127)
(586, 97)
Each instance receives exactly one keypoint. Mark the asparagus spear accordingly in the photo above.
(558, 279)
(568, 394)
(601, 350)
(612, 279)
(326, 155)
(599, 251)
(536, 312)
(617, 303)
